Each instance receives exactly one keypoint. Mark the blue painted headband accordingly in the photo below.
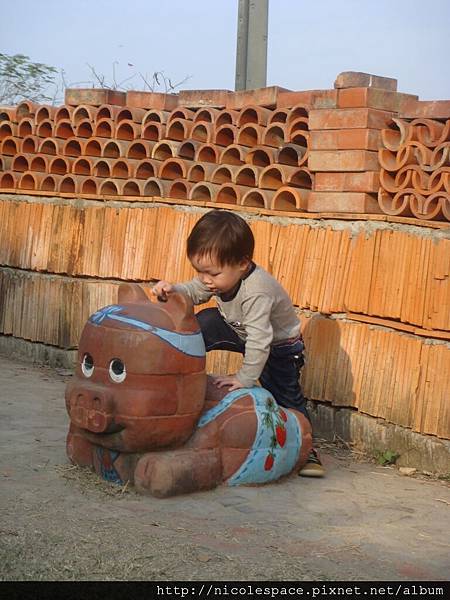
(191, 344)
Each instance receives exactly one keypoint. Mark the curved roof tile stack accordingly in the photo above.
(269, 149)
(415, 169)
(254, 156)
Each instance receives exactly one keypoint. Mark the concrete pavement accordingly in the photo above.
(361, 522)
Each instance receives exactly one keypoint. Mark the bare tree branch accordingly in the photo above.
(22, 79)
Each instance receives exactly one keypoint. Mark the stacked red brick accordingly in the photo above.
(159, 145)
(345, 138)
(415, 168)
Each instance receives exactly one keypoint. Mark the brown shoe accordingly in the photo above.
(313, 467)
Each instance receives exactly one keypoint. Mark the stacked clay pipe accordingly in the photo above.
(415, 169)
(264, 150)
(252, 157)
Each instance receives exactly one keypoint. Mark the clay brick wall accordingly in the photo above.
(346, 191)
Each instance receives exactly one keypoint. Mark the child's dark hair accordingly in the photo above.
(223, 235)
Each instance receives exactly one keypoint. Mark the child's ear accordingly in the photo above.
(244, 264)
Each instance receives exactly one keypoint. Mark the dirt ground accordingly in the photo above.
(60, 522)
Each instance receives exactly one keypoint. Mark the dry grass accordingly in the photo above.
(86, 479)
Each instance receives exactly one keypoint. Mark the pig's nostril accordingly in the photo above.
(79, 400)
(97, 403)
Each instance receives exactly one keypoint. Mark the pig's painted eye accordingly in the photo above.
(117, 370)
(87, 365)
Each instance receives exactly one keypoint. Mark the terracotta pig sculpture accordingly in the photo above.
(143, 410)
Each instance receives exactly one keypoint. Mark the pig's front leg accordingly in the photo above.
(164, 474)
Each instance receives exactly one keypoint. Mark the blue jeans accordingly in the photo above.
(282, 370)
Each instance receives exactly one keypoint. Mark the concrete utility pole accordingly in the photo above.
(251, 53)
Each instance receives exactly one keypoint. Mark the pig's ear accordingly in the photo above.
(131, 293)
(181, 310)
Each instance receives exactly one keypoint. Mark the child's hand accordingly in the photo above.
(162, 289)
(229, 380)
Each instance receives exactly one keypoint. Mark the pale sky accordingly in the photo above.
(310, 42)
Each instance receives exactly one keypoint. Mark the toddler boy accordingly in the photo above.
(255, 315)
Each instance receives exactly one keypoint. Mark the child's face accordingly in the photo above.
(218, 278)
